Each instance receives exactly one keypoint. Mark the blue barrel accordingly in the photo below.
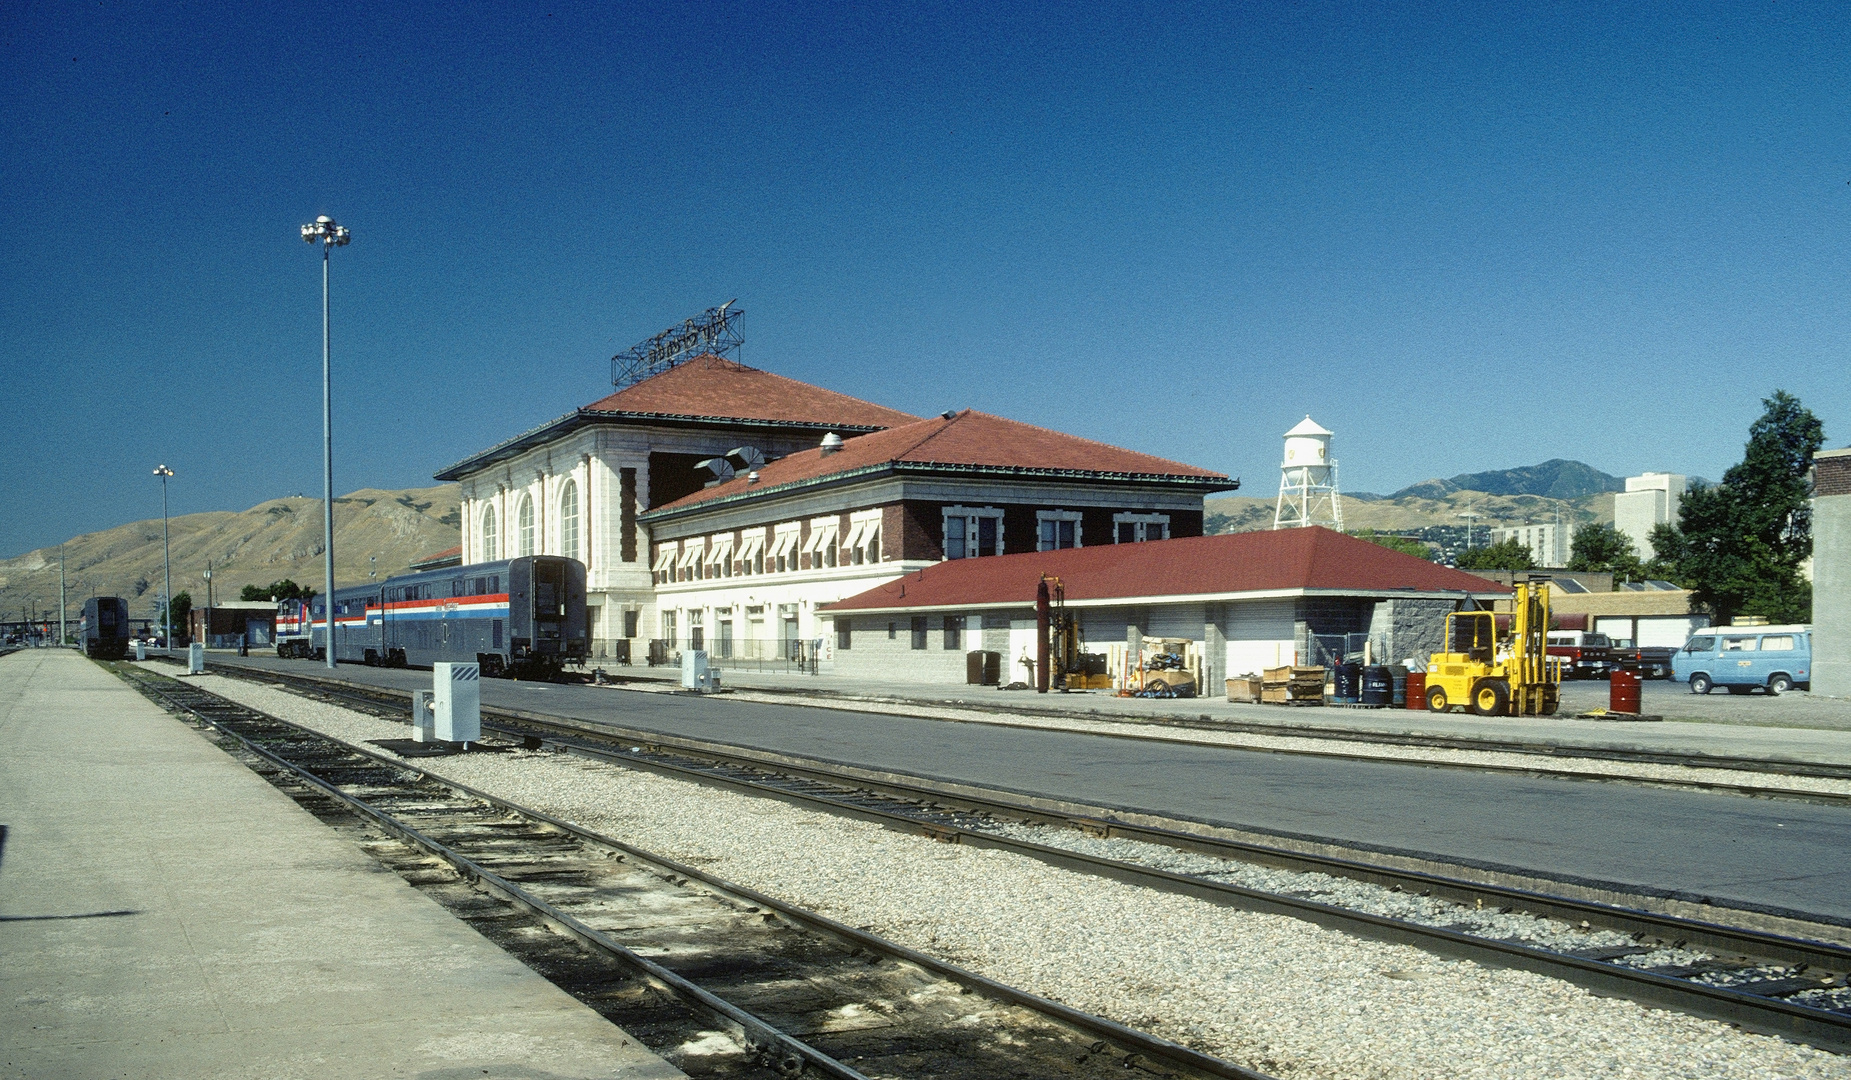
(1399, 673)
(1379, 686)
(1347, 683)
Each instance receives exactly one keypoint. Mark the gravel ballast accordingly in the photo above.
(1266, 991)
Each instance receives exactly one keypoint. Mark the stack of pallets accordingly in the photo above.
(1292, 685)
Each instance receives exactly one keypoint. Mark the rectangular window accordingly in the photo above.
(1700, 645)
(1777, 644)
(843, 627)
(919, 631)
(1137, 528)
(495, 634)
(893, 631)
(1738, 644)
(668, 628)
(697, 634)
(629, 623)
(954, 632)
(1058, 534)
(970, 533)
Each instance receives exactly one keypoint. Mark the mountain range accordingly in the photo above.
(375, 531)
(1557, 490)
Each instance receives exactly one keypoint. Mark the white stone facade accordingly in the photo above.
(1548, 543)
(1650, 500)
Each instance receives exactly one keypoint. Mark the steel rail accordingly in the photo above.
(1825, 1028)
(1113, 821)
(1152, 1046)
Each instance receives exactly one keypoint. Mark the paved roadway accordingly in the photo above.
(1752, 852)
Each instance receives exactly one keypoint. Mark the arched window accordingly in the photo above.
(526, 525)
(568, 520)
(488, 535)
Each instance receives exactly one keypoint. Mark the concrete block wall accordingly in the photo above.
(873, 655)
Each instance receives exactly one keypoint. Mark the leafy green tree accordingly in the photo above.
(1667, 553)
(1739, 544)
(1406, 545)
(177, 610)
(1599, 547)
(1510, 554)
(276, 590)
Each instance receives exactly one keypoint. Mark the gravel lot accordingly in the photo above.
(1266, 991)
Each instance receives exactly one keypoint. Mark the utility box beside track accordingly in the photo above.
(457, 712)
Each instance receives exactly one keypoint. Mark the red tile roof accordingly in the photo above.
(964, 440)
(1283, 560)
(445, 557)
(714, 388)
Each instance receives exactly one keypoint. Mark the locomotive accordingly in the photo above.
(106, 627)
(520, 617)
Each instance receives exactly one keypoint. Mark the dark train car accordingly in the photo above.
(517, 617)
(106, 627)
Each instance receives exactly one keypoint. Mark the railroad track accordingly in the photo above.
(1762, 981)
(687, 952)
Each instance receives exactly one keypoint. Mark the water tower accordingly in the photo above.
(1308, 481)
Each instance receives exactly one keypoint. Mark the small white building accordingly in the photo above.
(1650, 500)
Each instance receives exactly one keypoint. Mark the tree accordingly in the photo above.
(1598, 547)
(1510, 554)
(1406, 545)
(1739, 544)
(177, 611)
(277, 590)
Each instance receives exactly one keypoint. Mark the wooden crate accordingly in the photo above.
(1247, 688)
(1284, 685)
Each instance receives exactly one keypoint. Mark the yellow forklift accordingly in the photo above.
(1493, 675)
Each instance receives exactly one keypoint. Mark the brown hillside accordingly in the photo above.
(373, 530)
(1413, 512)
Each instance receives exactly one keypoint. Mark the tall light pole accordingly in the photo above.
(61, 631)
(167, 565)
(330, 235)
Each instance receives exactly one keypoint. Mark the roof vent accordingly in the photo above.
(947, 415)
(752, 477)
(831, 443)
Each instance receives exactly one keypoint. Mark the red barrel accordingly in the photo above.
(1623, 693)
(1417, 690)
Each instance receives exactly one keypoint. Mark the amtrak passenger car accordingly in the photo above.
(106, 627)
(523, 617)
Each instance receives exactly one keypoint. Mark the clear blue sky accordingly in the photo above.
(1464, 238)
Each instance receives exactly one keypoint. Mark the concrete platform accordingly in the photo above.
(166, 913)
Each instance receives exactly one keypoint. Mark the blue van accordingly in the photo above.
(1740, 658)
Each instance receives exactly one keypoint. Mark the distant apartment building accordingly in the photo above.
(1650, 500)
(1548, 544)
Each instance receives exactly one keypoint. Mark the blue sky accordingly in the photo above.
(1464, 238)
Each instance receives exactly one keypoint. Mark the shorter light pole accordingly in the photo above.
(62, 637)
(167, 565)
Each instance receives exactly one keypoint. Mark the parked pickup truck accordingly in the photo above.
(1582, 655)
(1645, 661)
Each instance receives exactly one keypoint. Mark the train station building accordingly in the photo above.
(775, 524)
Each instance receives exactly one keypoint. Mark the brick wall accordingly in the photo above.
(1832, 474)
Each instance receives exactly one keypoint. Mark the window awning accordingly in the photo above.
(665, 557)
(782, 544)
(751, 544)
(856, 531)
(821, 536)
(691, 555)
(722, 550)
